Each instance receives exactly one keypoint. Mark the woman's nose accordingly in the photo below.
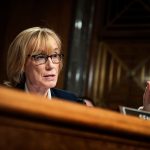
(49, 63)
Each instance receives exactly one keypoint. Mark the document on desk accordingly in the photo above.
(135, 112)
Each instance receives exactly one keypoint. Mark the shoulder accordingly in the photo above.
(20, 86)
(67, 95)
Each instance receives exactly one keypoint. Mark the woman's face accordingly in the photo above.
(45, 75)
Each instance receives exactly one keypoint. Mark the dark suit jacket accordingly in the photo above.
(66, 95)
(58, 93)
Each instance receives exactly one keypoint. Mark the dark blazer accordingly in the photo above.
(66, 95)
(58, 93)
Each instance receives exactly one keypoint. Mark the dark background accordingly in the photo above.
(105, 42)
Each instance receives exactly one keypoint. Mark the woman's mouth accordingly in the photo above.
(49, 77)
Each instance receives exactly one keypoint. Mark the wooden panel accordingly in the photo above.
(117, 77)
(32, 122)
(120, 72)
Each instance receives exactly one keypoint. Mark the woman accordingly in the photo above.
(34, 63)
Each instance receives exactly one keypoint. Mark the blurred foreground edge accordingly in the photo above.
(30, 122)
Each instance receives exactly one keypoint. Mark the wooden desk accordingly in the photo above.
(29, 122)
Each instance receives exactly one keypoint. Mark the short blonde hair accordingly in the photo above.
(19, 50)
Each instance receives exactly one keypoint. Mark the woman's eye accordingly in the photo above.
(55, 55)
(40, 57)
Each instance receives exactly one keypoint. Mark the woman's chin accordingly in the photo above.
(48, 85)
(52, 85)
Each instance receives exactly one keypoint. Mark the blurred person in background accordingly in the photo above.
(146, 98)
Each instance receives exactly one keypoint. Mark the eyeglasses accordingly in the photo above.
(42, 58)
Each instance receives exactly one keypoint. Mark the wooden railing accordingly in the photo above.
(31, 122)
